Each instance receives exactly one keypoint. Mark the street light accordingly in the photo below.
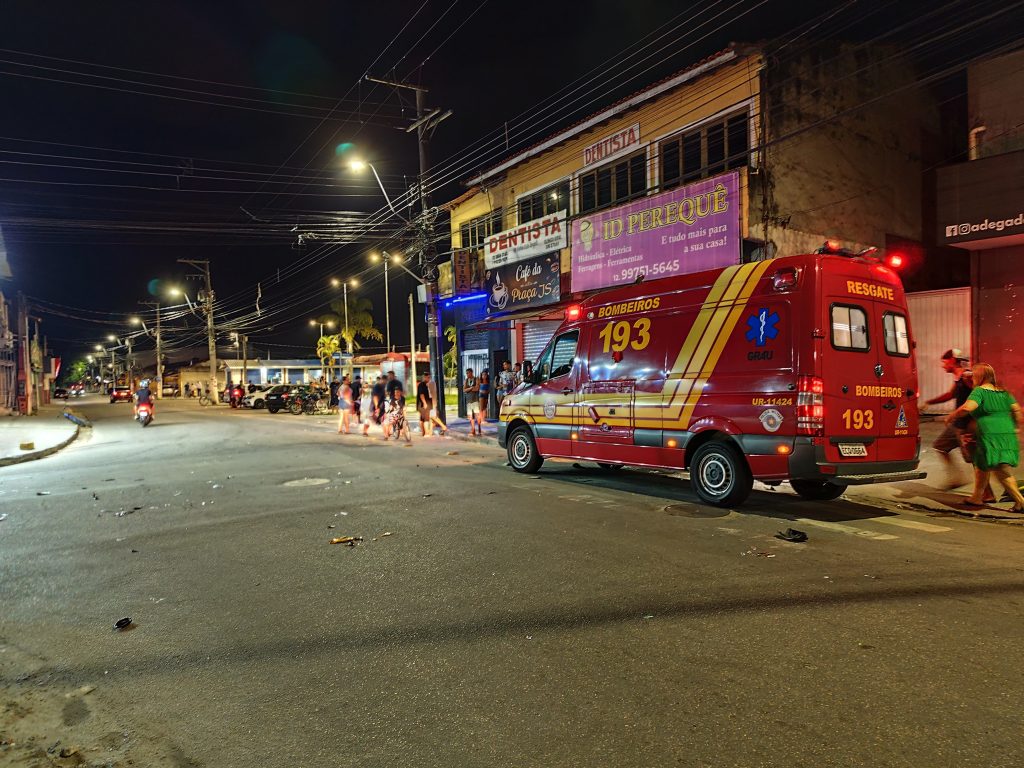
(386, 257)
(329, 324)
(344, 286)
(361, 165)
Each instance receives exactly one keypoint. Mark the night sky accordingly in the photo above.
(111, 173)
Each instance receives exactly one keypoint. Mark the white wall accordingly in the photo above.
(939, 320)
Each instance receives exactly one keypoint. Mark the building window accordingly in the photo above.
(474, 232)
(705, 151)
(614, 183)
(547, 201)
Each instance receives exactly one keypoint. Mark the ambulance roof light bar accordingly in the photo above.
(834, 248)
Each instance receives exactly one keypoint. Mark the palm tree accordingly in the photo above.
(326, 348)
(450, 362)
(360, 322)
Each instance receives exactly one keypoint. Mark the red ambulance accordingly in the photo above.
(797, 369)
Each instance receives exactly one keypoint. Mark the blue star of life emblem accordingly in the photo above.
(762, 327)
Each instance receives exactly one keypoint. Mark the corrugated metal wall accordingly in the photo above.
(939, 320)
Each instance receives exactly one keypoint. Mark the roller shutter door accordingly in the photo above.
(536, 336)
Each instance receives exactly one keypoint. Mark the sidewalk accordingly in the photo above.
(24, 438)
(925, 494)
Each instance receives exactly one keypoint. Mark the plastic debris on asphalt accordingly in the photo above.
(350, 541)
(123, 624)
(26, 446)
(42, 493)
(791, 534)
(3, 517)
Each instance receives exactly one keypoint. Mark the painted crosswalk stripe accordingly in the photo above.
(914, 524)
(847, 529)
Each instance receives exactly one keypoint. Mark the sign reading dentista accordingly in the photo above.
(610, 146)
(534, 238)
(688, 229)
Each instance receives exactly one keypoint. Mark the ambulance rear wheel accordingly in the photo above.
(522, 452)
(720, 475)
(817, 490)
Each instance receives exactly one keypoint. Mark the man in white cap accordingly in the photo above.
(955, 363)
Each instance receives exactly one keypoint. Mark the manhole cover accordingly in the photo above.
(307, 481)
(691, 510)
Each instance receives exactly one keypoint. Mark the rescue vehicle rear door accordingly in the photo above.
(898, 418)
(849, 378)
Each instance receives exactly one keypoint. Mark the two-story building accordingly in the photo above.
(980, 208)
(747, 154)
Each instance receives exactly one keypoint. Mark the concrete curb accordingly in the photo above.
(42, 454)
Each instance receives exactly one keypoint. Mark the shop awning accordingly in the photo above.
(548, 312)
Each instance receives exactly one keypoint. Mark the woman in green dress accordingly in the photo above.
(998, 419)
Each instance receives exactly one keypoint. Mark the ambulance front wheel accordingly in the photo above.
(817, 490)
(720, 475)
(522, 452)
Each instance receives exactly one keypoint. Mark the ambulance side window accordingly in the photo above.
(558, 359)
(849, 327)
(897, 341)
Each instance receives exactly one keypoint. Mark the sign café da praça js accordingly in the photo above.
(688, 229)
(523, 264)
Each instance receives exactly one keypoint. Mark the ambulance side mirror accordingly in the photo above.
(528, 372)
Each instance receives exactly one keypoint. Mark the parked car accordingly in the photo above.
(278, 396)
(257, 398)
(60, 394)
(121, 395)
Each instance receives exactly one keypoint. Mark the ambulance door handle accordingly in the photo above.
(878, 370)
(566, 390)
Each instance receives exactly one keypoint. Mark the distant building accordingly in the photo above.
(980, 208)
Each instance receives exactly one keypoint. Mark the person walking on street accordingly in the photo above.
(343, 403)
(998, 419)
(335, 386)
(391, 385)
(426, 398)
(471, 393)
(378, 395)
(517, 375)
(504, 383)
(423, 404)
(954, 362)
(484, 393)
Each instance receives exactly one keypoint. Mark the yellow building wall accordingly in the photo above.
(722, 90)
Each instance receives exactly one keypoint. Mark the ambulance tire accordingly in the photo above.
(720, 475)
(817, 490)
(523, 455)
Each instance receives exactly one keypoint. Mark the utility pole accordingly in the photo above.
(204, 265)
(243, 341)
(159, 351)
(24, 355)
(412, 347)
(424, 125)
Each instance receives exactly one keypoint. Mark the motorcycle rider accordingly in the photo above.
(143, 396)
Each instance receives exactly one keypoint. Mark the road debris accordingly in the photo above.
(426, 495)
(330, 526)
(85, 690)
(791, 534)
(349, 541)
(26, 446)
(3, 517)
(452, 453)
(42, 493)
(648, 616)
(122, 625)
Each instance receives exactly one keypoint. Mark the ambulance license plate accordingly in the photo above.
(853, 450)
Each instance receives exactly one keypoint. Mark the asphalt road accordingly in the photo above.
(576, 618)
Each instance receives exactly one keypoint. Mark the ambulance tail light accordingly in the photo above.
(810, 406)
(785, 279)
(573, 312)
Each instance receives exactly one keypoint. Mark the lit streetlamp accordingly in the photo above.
(386, 257)
(329, 324)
